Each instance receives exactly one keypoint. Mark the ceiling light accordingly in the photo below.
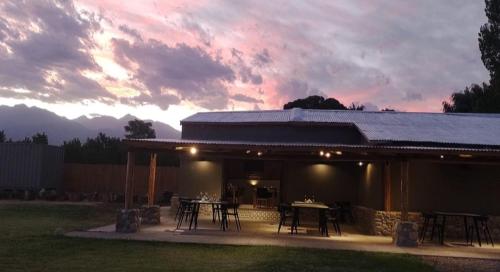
(465, 156)
(179, 148)
(193, 151)
(248, 151)
(360, 163)
(321, 153)
(442, 156)
(327, 155)
(259, 153)
(338, 152)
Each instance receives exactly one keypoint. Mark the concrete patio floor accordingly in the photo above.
(265, 234)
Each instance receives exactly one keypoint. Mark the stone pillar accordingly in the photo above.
(405, 234)
(150, 215)
(128, 221)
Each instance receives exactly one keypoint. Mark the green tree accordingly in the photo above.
(3, 138)
(483, 98)
(139, 129)
(40, 138)
(489, 40)
(315, 102)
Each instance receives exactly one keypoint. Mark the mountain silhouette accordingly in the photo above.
(21, 121)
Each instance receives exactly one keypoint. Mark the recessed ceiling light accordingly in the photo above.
(338, 152)
(259, 153)
(193, 150)
(327, 155)
(321, 153)
(360, 163)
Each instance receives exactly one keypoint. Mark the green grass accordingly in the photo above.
(28, 242)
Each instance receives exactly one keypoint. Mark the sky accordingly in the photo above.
(165, 60)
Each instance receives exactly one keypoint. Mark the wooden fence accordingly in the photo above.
(108, 178)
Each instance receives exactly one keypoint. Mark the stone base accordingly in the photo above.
(128, 221)
(406, 234)
(150, 215)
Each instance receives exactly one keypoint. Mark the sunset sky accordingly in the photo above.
(164, 60)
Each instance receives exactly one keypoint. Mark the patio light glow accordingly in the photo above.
(253, 182)
(179, 148)
(248, 151)
(327, 155)
(321, 153)
(193, 151)
(338, 153)
(360, 163)
(465, 156)
(442, 156)
(259, 153)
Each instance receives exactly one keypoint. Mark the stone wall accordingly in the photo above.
(374, 222)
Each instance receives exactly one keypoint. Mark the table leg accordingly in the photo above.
(443, 226)
(295, 220)
(466, 228)
(477, 231)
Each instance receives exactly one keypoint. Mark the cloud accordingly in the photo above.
(262, 58)
(246, 99)
(46, 49)
(134, 33)
(411, 96)
(174, 73)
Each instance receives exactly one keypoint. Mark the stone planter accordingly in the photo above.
(128, 221)
(405, 234)
(150, 215)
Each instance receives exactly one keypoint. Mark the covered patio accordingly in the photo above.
(408, 187)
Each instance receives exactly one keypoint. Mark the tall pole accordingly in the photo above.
(129, 180)
(152, 179)
(404, 189)
(387, 186)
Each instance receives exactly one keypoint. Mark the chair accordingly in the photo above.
(187, 211)
(263, 195)
(428, 216)
(230, 210)
(332, 216)
(345, 211)
(483, 225)
(216, 212)
(285, 211)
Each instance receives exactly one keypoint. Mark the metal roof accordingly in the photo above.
(443, 128)
(308, 146)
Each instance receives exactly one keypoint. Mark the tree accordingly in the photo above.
(138, 129)
(355, 106)
(315, 102)
(475, 98)
(3, 138)
(486, 97)
(489, 40)
(40, 138)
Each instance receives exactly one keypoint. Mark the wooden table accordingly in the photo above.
(322, 208)
(465, 216)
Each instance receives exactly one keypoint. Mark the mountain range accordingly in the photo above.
(21, 121)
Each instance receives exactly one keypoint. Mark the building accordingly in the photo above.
(380, 162)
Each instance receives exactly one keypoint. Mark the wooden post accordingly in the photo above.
(152, 179)
(404, 189)
(387, 186)
(129, 180)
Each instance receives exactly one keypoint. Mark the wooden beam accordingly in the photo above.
(129, 180)
(405, 165)
(152, 179)
(387, 186)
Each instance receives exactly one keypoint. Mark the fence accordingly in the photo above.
(107, 178)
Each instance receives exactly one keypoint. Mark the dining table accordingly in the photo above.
(216, 204)
(465, 216)
(322, 208)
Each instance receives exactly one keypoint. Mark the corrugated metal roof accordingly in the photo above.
(250, 144)
(445, 128)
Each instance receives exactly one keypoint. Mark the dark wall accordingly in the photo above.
(371, 187)
(30, 166)
(274, 133)
(337, 181)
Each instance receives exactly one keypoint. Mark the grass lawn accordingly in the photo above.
(28, 242)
